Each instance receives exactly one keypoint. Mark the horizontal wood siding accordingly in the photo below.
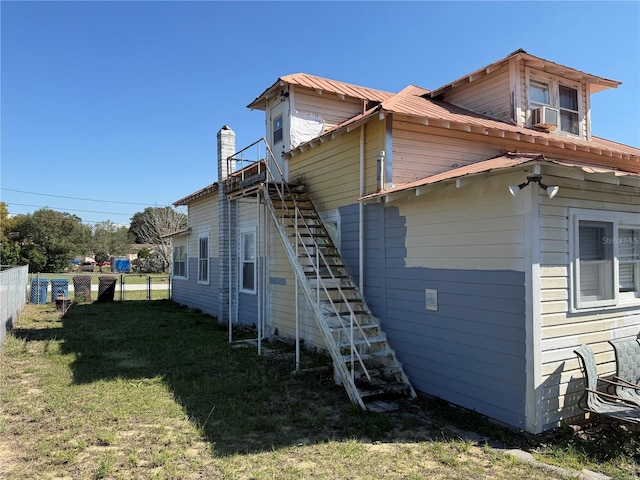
(202, 217)
(471, 350)
(417, 153)
(281, 300)
(563, 331)
(194, 295)
(330, 171)
(477, 226)
(329, 106)
(489, 95)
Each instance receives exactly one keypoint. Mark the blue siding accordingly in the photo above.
(471, 351)
(194, 295)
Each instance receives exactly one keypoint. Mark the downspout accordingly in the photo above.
(361, 217)
(259, 273)
(229, 265)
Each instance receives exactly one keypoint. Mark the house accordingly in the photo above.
(460, 242)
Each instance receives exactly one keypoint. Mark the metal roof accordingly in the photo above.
(194, 196)
(320, 84)
(502, 162)
(596, 83)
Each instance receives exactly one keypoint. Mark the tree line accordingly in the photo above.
(48, 240)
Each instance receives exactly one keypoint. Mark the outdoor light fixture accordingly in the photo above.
(283, 95)
(551, 191)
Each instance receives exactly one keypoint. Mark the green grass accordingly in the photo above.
(152, 390)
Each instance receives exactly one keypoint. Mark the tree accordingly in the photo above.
(109, 239)
(9, 250)
(47, 239)
(152, 224)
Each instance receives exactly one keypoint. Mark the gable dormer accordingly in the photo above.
(529, 91)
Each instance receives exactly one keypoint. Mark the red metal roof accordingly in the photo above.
(314, 82)
(502, 162)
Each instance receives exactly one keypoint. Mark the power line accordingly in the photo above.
(76, 198)
(71, 209)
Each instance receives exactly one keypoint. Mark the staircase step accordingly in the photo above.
(391, 388)
(370, 356)
(362, 341)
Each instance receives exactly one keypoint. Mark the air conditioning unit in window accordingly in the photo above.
(544, 117)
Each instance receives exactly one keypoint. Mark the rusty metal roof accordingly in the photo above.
(502, 162)
(319, 84)
(596, 83)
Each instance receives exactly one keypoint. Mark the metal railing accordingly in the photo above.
(13, 296)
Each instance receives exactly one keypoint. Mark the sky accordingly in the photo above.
(108, 108)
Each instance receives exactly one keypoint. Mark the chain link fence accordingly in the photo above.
(13, 296)
(91, 287)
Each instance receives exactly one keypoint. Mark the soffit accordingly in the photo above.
(502, 162)
(595, 82)
(320, 85)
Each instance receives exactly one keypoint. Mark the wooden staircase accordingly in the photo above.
(365, 364)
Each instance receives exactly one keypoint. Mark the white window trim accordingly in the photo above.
(618, 220)
(241, 288)
(554, 97)
(186, 262)
(201, 236)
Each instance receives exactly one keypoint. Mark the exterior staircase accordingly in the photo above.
(364, 362)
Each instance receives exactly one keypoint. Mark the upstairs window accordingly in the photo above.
(538, 94)
(560, 96)
(277, 129)
(569, 116)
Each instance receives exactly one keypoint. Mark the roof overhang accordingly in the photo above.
(178, 233)
(196, 195)
(596, 83)
(502, 164)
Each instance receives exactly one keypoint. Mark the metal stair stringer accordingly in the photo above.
(364, 362)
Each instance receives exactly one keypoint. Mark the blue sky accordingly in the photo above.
(117, 104)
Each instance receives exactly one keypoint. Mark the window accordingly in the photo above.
(606, 259)
(569, 118)
(248, 262)
(203, 259)
(560, 94)
(538, 94)
(179, 261)
(629, 258)
(277, 129)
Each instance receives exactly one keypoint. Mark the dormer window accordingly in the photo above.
(569, 117)
(554, 103)
(538, 94)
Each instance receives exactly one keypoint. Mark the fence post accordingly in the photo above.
(149, 287)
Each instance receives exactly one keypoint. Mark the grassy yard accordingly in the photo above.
(148, 390)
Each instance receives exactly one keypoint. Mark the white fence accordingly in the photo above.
(13, 296)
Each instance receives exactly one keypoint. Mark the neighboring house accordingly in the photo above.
(416, 208)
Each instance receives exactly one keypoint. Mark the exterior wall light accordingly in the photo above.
(551, 191)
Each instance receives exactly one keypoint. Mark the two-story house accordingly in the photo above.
(458, 242)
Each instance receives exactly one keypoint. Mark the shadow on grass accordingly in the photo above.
(241, 402)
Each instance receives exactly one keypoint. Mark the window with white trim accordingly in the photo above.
(248, 262)
(203, 258)
(180, 261)
(559, 93)
(278, 132)
(606, 259)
